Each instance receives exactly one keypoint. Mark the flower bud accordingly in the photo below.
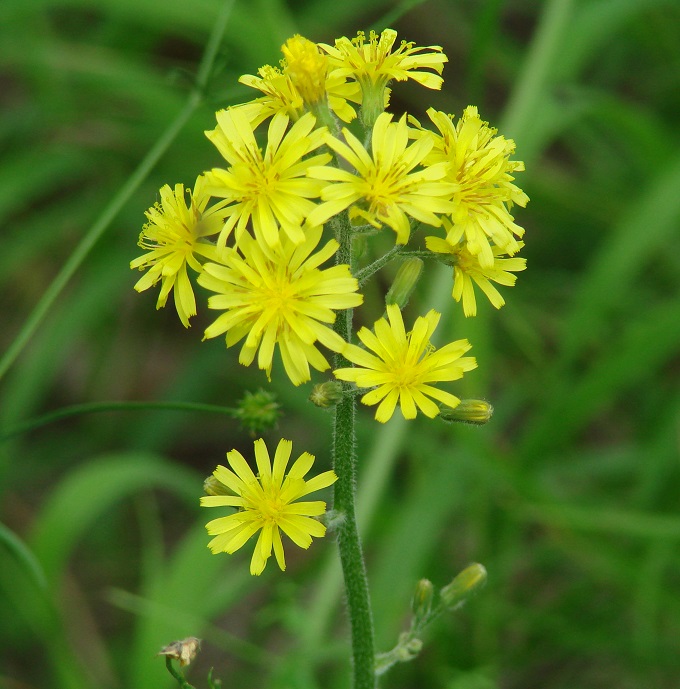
(421, 604)
(409, 649)
(211, 486)
(405, 282)
(475, 412)
(184, 651)
(470, 580)
(257, 411)
(327, 394)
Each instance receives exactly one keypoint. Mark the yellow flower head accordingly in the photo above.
(267, 503)
(480, 166)
(307, 68)
(173, 238)
(282, 299)
(467, 269)
(404, 365)
(268, 188)
(387, 188)
(282, 96)
(373, 64)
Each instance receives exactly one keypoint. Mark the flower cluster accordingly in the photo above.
(317, 152)
(252, 228)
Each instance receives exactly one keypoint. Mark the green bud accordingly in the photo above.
(475, 412)
(211, 486)
(405, 282)
(469, 581)
(258, 411)
(408, 649)
(327, 394)
(421, 604)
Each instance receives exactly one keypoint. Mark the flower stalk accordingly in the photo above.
(344, 457)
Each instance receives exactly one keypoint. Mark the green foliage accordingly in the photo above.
(568, 496)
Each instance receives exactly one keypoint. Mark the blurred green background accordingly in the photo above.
(570, 497)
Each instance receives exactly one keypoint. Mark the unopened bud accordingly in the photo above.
(409, 649)
(475, 412)
(405, 282)
(422, 599)
(184, 651)
(469, 581)
(211, 486)
(257, 411)
(327, 394)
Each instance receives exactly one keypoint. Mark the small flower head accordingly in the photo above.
(267, 503)
(269, 188)
(307, 67)
(404, 365)
(481, 168)
(281, 96)
(282, 299)
(467, 269)
(386, 188)
(174, 239)
(374, 63)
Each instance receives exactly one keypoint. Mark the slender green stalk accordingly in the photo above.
(122, 197)
(365, 273)
(349, 544)
(177, 674)
(97, 407)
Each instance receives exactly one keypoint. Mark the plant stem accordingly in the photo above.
(349, 544)
(112, 209)
(97, 407)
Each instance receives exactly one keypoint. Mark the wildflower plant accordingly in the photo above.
(268, 233)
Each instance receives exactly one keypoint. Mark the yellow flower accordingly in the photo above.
(266, 503)
(268, 188)
(281, 95)
(374, 64)
(404, 365)
(173, 239)
(480, 166)
(307, 68)
(282, 299)
(387, 188)
(467, 269)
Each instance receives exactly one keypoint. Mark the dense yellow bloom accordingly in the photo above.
(307, 68)
(374, 62)
(282, 96)
(269, 188)
(282, 299)
(480, 166)
(173, 238)
(267, 503)
(404, 365)
(467, 269)
(386, 188)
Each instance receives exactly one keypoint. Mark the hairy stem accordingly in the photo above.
(349, 544)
